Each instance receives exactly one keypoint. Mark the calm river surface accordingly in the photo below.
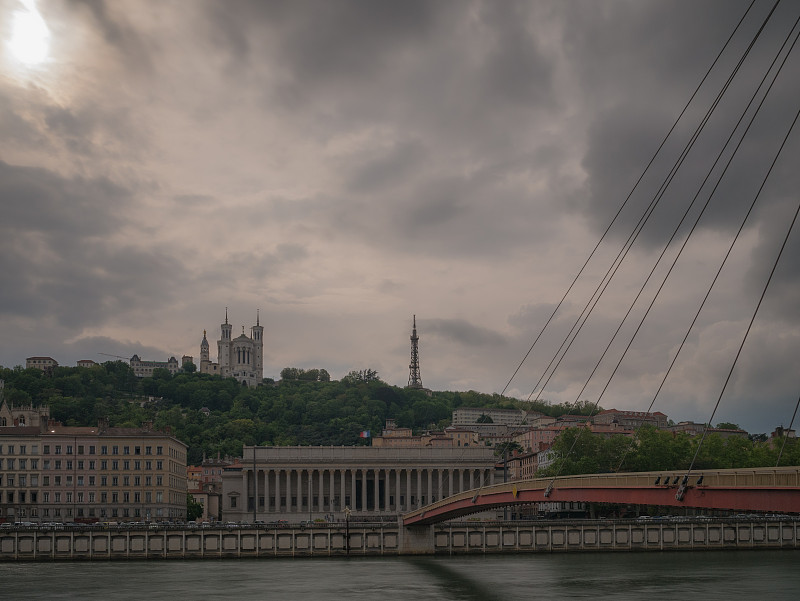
(679, 575)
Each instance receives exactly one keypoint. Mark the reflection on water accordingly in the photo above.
(703, 575)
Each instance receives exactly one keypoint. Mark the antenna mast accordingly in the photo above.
(414, 379)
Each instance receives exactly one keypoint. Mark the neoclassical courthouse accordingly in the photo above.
(306, 483)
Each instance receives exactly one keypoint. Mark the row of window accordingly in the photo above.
(69, 464)
(68, 449)
(233, 501)
(22, 480)
(92, 512)
(22, 497)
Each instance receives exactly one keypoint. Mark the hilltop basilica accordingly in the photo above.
(241, 357)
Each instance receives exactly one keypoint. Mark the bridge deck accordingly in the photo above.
(753, 489)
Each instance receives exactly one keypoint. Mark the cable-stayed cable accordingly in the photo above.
(727, 254)
(616, 264)
(630, 194)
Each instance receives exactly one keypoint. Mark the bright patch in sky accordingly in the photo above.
(30, 38)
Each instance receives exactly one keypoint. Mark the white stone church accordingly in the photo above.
(241, 357)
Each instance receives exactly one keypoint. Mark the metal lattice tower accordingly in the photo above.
(414, 379)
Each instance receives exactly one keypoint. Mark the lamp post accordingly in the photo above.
(347, 529)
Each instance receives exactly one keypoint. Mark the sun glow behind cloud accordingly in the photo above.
(30, 37)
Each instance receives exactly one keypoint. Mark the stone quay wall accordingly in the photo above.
(390, 539)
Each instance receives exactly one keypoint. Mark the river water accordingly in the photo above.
(728, 575)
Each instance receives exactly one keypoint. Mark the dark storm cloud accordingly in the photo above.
(58, 248)
(624, 136)
(38, 200)
(312, 157)
(515, 69)
(339, 38)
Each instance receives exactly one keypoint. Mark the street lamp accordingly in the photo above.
(347, 513)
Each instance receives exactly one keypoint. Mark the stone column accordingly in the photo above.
(287, 475)
(376, 497)
(332, 490)
(408, 489)
(255, 491)
(312, 490)
(343, 489)
(440, 484)
(320, 496)
(300, 491)
(354, 491)
(266, 490)
(430, 487)
(277, 490)
(420, 488)
(387, 488)
(471, 482)
(245, 487)
(397, 489)
(364, 473)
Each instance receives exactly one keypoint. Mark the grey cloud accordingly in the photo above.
(57, 241)
(516, 66)
(38, 200)
(623, 139)
(395, 166)
(462, 332)
(195, 201)
(132, 50)
(337, 38)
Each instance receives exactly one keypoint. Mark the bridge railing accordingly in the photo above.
(726, 478)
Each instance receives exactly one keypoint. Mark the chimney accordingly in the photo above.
(147, 425)
(102, 423)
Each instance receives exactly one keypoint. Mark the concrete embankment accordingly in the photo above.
(390, 539)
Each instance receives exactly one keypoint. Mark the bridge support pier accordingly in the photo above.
(416, 540)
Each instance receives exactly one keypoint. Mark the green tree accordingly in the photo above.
(507, 448)
(194, 509)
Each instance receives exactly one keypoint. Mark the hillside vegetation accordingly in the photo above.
(307, 409)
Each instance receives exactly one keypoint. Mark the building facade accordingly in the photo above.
(26, 415)
(307, 483)
(60, 473)
(46, 364)
(241, 357)
(631, 419)
(474, 415)
(144, 369)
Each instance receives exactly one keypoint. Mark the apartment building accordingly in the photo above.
(85, 474)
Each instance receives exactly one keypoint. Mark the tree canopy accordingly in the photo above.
(305, 407)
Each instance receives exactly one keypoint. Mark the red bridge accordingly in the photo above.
(774, 490)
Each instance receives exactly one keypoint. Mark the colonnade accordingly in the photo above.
(314, 492)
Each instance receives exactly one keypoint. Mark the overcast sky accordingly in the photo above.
(340, 166)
